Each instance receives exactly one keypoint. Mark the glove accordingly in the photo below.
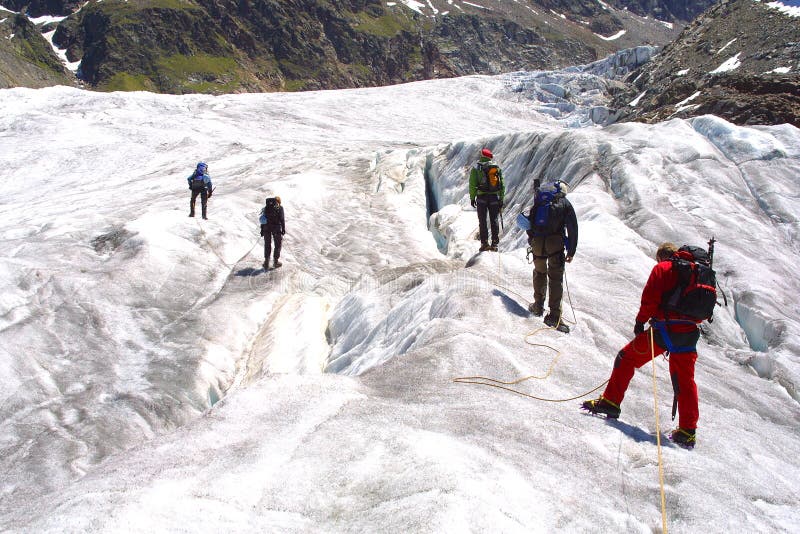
(209, 194)
(473, 202)
(283, 232)
(502, 204)
(638, 328)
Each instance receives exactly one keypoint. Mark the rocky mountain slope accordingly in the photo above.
(221, 46)
(740, 60)
(26, 58)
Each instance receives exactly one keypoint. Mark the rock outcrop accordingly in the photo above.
(740, 61)
(26, 58)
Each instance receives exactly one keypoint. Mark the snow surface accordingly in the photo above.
(788, 8)
(62, 54)
(46, 19)
(612, 37)
(730, 64)
(726, 46)
(635, 101)
(153, 378)
(413, 5)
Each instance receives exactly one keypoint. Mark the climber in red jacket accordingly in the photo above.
(677, 334)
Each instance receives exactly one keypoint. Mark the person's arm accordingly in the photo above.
(657, 284)
(283, 222)
(207, 180)
(502, 187)
(473, 185)
(571, 226)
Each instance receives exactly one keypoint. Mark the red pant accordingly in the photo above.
(681, 368)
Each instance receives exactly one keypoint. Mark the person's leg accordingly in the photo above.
(632, 356)
(204, 202)
(681, 368)
(483, 231)
(276, 235)
(555, 274)
(195, 192)
(539, 275)
(494, 212)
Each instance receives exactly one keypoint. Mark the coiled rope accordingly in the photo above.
(504, 385)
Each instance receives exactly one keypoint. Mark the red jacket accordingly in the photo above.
(663, 279)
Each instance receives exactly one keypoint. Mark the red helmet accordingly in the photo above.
(486, 153)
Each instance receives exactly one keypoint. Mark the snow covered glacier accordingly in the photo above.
(154, 378)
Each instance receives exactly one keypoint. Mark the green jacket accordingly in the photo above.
(475, 176)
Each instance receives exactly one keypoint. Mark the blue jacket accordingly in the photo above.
(206, 180)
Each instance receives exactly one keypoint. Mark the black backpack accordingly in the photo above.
(696, 293)
(272, 211)
(491, 177)
(546, 215)
(198, 183)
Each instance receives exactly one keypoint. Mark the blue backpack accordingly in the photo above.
(545, 216)
(198, 182)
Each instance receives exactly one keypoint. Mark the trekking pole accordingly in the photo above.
(711, 252)
(502, 225)
(711, 266)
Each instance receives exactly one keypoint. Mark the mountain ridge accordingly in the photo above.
(740, 60)
(224, 46)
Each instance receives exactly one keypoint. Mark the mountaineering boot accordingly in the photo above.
(536, 309)
(684, 437)
(602, 406)
(265, 265)
(484, 246)
(191, 214)
(277, 264)
(554, 321)
(493, 246)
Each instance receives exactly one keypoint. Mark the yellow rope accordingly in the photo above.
(658, 436)
(501, 384)
(483, 381)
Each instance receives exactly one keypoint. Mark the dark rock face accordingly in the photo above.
(740, 60)
(224, 46)
(26, 58)
(38, 8)
(666, 10)
(754, 100)
(302, 44)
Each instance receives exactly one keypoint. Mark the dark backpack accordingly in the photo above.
(696, 293)
(272, 211)
(197, 181)
(490, 179)
(546, 215)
